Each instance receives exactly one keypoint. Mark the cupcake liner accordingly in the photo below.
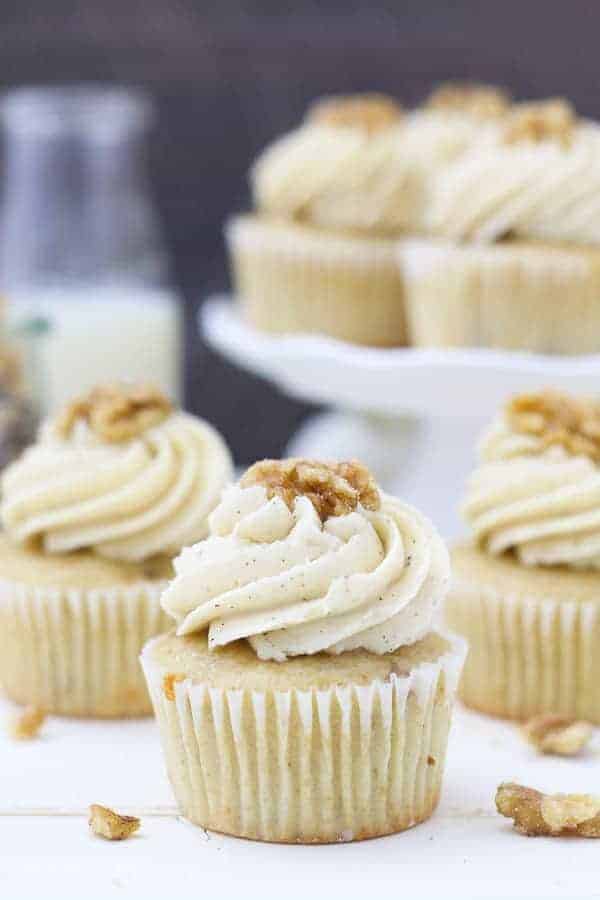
(514, 296)
(292, 278)
(340, 764)
(76, 652)
(527, 655)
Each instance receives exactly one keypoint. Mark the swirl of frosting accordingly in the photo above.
(536, 489)
(126, 477)
(293, 581)
(533, 175)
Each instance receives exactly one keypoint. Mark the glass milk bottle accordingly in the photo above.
(80, 246)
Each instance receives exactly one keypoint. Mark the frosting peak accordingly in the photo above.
(536, 489)
(277, 572)
(118, 473)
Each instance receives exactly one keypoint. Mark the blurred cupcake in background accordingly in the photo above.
(526, 587)
(307, 693)
(519, 217)
(92, 513)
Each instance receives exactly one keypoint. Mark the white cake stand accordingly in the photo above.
(412, 415)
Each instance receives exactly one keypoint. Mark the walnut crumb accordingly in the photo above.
(112, 826)
(480, 100)
(555, 815)
(169, 682)
(558, 420)
(553, 119)
(369, 112)
(558, 735)
(334, 489)
(116, 412)
(27, 723)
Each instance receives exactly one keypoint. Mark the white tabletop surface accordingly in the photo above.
(466, 850)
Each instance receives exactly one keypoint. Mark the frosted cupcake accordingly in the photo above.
(92, 514)
(331, 199)
(306, 695)
(531, 182)
(526, 591)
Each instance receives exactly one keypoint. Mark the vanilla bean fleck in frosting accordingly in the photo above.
(304, 557)
(120, 472)
(536, 489)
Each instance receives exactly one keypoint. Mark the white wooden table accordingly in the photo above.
(466, 850)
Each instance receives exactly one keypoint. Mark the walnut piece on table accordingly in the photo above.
(554, 815)
(25, 726)
(110, 825)
(557, 735)
(334, 489)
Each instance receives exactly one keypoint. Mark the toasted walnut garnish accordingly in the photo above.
(108, 824)
(535, 813)
(558, 420)
(169, 682)
(369, 112)
(27, 723)
(558, 735)
(480, 100)
(116, 412)
(334, 489)
(545, 120)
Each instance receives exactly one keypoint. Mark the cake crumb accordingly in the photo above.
(557, 735)
(169, 682)
(108, 824)
(26, 725)
(554, 815)
(334, 489)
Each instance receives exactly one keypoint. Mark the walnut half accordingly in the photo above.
(368, 112)
(558, 419)
(554, 815)
(334, 489)
(558, 735)
(116, 412)
(108, 824)
(483, 101)
(553, 119)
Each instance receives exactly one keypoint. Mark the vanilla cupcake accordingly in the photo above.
(526, 590)
(306, 694)
(332, 197)
(531, 181)
(92, 514)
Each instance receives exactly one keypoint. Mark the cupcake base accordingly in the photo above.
(296, 279)
(533, 636)
(514, 296)
(317, 749)
(71, 630)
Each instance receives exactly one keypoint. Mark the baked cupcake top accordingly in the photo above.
(536, 489)
(119, 471)
(534, 174)
(307, 556)
(361, 163)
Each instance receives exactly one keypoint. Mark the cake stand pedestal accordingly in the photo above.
(411, 415)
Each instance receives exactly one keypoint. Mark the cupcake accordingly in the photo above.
(92, 514)
(306, 693)
(526, 588)
(518, 216)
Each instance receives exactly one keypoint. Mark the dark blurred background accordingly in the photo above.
(228, 76)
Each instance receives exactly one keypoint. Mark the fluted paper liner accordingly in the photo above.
(293, 279)
(76, 652)
(340, 764)
(527, 655)
(513, 295)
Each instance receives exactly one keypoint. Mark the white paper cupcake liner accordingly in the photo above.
(340, 764)
(295, 279)
(513, 295)
(76, 652)
(527, 655)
